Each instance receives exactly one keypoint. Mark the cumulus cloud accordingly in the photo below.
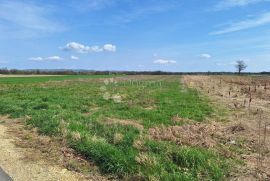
(205, 56)
(36, 59)
(227, 4)
(54, 58)
(51, 58)
(72, 57)
(109, 47)
(261, 20)
(164, 61)
(73, 46)
(80, 48)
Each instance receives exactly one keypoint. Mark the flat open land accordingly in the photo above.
(98, 127)
(11, 75)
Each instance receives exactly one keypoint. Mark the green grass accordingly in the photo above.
(38, 79)
(77, 111)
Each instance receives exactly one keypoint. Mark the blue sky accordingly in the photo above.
(168, 35)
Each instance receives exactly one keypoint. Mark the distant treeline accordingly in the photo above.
(93, 72)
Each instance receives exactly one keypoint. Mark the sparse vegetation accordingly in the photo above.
(248, 129)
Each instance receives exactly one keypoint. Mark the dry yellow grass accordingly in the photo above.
(247, 98)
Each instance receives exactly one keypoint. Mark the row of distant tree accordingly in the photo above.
(240, 66)
(87, 72)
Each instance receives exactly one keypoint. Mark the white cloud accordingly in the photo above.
(95, 48)
(226, 4)
(164, 61)
(51, 58)
(27, 19)
(54, 58)
(205, 56)
(72, 57)
(36, 59)
(261, 20)
(80, 48)
(109, 47)
(75, 46)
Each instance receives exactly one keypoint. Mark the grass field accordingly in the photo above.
(38, 79)
(108, 120)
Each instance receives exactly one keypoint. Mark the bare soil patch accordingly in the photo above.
(27, 156)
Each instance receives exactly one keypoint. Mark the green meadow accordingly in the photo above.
(107, 119)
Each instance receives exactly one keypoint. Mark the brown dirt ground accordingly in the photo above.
(247, 129)
(27, 156)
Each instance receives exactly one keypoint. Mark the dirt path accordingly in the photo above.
(247, 129)
(12, 160)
